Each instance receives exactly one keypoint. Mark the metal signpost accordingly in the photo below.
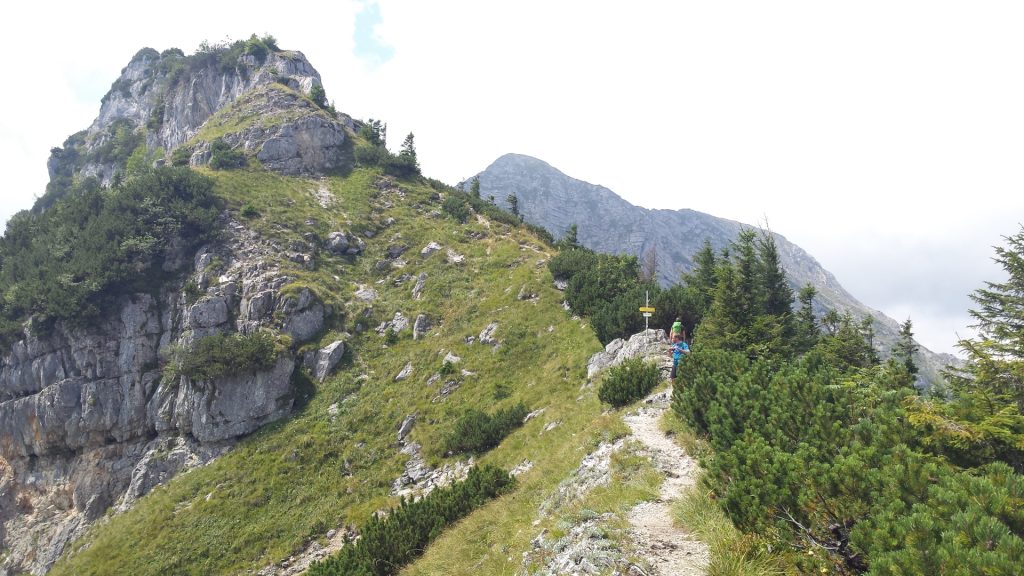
(647, 309)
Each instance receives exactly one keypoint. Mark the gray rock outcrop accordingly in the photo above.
(487, 334)
(92, 408)
(327, 358)
(649, 344)
(421, 326)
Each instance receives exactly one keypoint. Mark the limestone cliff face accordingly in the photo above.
(609, 224)
(84, 411)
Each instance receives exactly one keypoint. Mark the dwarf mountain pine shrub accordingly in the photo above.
(477, 431)
(389, 542)
(219, 355)
(628, 381)
(224, 157)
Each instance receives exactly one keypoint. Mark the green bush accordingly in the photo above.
(457, 208)
(629, 381)
(224, 157)
(91, 245)
(369, 155)
(476, 431)
(389, 542)
(181, 156)
(219, 355)
(250, 211)
(120, 139)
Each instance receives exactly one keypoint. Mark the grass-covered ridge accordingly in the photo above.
(250, 110)
(334, 461)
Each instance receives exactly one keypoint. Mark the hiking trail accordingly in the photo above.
(669, 549)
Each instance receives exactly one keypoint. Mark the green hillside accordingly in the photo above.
(333, 462)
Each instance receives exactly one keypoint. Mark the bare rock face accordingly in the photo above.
(310, 145)
(84, 412)
(327, 358)
(651, 344)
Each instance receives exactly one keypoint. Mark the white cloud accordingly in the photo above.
(876, 135)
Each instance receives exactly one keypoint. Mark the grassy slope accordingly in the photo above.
(289, 483)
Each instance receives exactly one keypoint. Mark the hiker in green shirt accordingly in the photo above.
(677, 329)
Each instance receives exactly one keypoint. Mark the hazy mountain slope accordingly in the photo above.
(607, 223)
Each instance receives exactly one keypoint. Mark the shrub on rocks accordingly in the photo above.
(629, 381)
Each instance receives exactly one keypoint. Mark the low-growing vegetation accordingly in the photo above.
(628, 382)
(821, 449)
(390, 541)
(224, 157)
(477, 431)
(71, 261)
(218, 355)
(608, 289)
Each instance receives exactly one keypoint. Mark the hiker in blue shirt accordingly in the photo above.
(677, 349)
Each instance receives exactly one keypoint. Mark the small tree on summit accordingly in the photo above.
(408, 148)
(513, 205)
(318, 95)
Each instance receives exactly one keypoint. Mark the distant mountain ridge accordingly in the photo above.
(607, 223)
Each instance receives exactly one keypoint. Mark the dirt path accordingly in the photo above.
(668, 549)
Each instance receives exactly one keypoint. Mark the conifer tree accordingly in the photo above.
(806, 327)
(703, 278)
(571, 240)
(474, 188)
(984, 419)
(906, 347)
(778, 296)
(513, 204)
(748, 285)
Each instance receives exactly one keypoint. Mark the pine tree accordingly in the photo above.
(571, 240)
(984, 419)
(906, 347)
(806, 327)
(474, 188)
(778, 296)
(703, 278)
(513, 204)
(408, 147)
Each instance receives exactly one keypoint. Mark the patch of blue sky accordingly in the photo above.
(368, 46)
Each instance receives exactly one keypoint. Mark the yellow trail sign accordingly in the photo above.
(646, 309)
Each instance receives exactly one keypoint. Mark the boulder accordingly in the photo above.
(417, 290)
(421, 326)
(487, 335)
(327, 359)
(337, 242)
(404, 373)
(430, 249)
(651, 344)
(405, 427)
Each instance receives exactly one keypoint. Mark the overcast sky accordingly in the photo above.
(885, 138)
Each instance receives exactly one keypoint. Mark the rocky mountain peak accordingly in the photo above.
(553, 200)
(167, 101)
